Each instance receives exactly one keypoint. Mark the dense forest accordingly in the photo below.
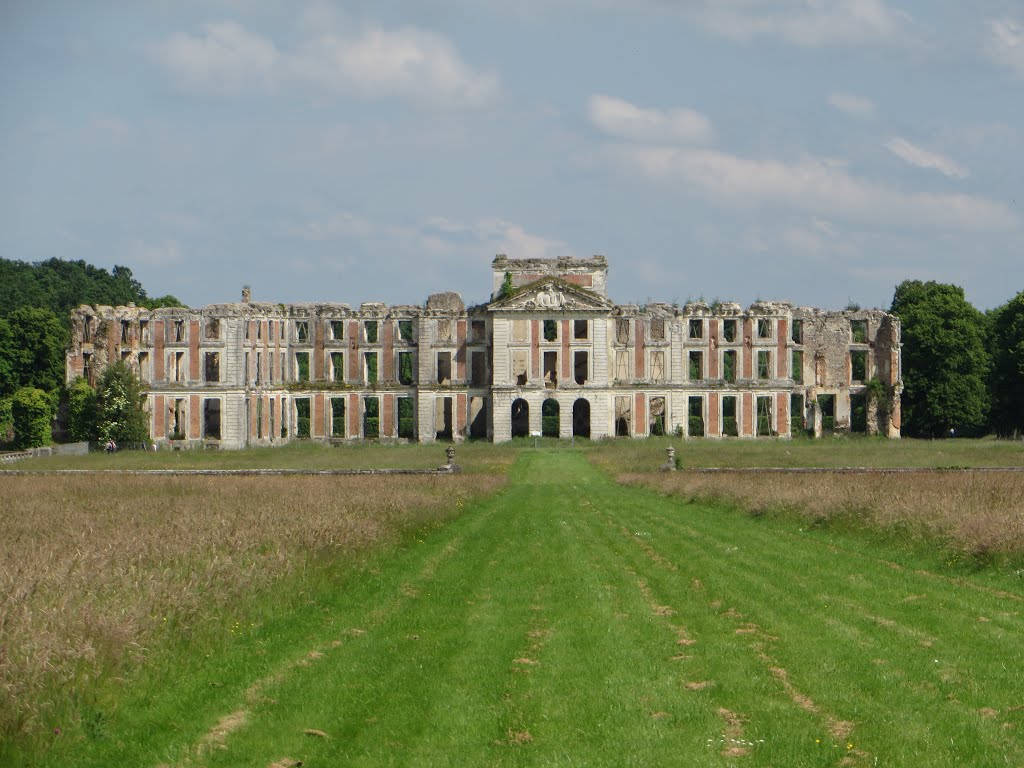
(35, 303)
(963, 369)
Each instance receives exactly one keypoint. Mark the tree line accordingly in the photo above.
(963, 369)
(35, 305)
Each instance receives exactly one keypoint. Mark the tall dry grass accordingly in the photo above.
(94, 570)
(976, 514)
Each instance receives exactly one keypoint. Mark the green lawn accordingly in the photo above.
(571, 621)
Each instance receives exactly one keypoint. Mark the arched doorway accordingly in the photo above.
(520, 418)
(581, 418)
(549, 418)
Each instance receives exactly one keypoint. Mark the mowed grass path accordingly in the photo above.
(570, 621)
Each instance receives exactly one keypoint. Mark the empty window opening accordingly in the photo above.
(581, 367)
(406, 418)
(549, 418)
(859, 331)
(301, 330)
(338, 417)
(444, 329)
(259, 367)
(764, 417)
(370, 364)
(144, 330)
(859, 413)
(520, 418)
(212, 328)
(444, 368)
(581, 418)
(302, 420)
(764, 328)
(550, 370)
(144, 366)
(211, 418)
(696, 326)
(280, 333)
(695, 411)
(178, 420)
(371, 418)
(270, 432)
(657, 329)
(211, 366)
(658, 366)
(179, 366)
(405, 330)
(858, 365)
(797, 422)
(247, 371)
(478, 369)
(580, 329)
(623, 416)
(271, 368)
(125, 331)
(729, 330)
(797, 365)
(259, 329)
(520, 360)
(764, 364)
(622, 331)
(550, 330)
(797, 334)
(827, 406)
(477, 418)
(338, 367)
(696, 365)
(259, 418)
(621, 364)
(520, 331)
(370, 331)
(179, 330)
(126, 354)
(302, 366)
(729, 365)
(479, 330)
(656, 418)
(337, 330)
(284, 418)
(405, 373)
(730, 425)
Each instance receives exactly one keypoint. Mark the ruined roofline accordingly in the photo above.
(503, 262)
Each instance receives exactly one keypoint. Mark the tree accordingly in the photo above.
(122, 416)
(1008, 367)
(945, 360)
(82, 410)
(32, 412)
(32, 346)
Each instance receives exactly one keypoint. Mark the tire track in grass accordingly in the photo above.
(967, 719)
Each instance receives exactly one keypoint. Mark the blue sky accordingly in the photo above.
(813, 151)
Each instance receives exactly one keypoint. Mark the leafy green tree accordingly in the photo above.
(82, 410)
(1008, 367)
(122, 416)
(32, 347)
(945, 360)
(6, 420)
(32, 412)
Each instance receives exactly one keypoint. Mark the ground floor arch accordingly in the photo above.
(550, 418)
(581, 418)
(520, 418)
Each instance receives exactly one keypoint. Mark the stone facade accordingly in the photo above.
(549, 354)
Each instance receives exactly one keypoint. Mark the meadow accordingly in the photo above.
(529, 611)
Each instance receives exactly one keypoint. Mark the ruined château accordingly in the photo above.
(548, 354)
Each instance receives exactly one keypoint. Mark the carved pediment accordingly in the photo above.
(552, 295)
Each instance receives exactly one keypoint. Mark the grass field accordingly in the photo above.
(567, 620)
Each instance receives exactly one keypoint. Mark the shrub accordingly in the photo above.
(121, 406)
(82, 413)
(32, 413)
(6, 420)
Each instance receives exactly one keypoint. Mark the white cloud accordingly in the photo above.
(854, 106)
(818, 186)
(922, 158)
(809, 23)
(1005, 44)
(375, 62)
(335, 226)
(620, 118)
(165, 254)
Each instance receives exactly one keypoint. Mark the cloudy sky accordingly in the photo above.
(819, 151)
